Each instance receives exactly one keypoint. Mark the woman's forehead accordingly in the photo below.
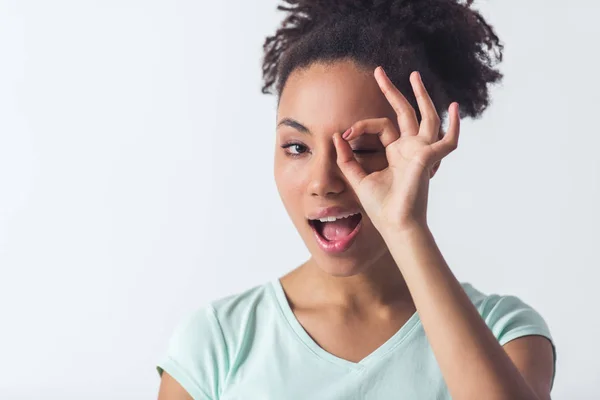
(336, 94)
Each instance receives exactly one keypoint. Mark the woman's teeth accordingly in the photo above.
(331, 219)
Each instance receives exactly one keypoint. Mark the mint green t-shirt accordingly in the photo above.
(251, 346)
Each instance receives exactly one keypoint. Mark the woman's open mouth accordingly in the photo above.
(336, 236)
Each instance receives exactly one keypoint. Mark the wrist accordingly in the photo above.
(405, 229)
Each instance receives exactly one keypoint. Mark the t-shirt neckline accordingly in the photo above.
(393, 342)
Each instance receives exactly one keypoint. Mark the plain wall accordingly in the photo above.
(136, 183)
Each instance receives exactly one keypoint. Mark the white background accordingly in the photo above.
(136, 183)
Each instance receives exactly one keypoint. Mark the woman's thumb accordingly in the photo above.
(351, 169)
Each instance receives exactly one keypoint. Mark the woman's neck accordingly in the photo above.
(380, 285)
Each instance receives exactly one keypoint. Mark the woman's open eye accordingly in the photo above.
(300, 145)
(285, 146)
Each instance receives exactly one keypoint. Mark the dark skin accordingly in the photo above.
(353, 318)
(353, 302)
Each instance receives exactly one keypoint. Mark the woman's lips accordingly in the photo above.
(335, 246)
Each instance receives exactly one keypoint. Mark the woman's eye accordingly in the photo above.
(299, 146)
(285, 146)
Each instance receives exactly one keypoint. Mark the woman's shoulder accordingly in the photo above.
(203, 345)
(507, 315)
(242, 301)
(230, 314)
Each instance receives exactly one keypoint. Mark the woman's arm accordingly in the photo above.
(170, 389)
(471, 360)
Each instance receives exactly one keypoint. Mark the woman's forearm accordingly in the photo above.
(471, 360)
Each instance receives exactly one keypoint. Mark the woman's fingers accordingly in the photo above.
(351, 168)
(430, 120)
(449, 142)
(382, 127)
(407, 118)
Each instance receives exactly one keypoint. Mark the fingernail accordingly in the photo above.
(347, 133)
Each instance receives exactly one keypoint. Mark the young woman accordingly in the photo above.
(363, 89)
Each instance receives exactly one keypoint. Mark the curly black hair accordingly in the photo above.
(450, 44)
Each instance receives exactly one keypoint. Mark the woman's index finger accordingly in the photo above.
(407, 119)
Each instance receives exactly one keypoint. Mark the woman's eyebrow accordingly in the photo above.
(297, 125)
(294, 124)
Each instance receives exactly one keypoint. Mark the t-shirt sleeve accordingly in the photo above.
(196, 355)
(510, 318)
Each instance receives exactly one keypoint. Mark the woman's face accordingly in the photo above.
(316, 102)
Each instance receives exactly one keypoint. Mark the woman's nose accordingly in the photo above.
(325, 176)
